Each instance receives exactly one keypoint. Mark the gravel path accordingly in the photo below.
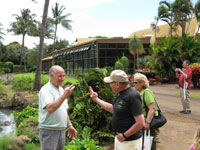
(6, 76)
(179, 131)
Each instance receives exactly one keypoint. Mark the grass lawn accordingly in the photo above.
(45, 77)
(22, 77)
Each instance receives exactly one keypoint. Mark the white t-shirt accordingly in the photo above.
(58, 119)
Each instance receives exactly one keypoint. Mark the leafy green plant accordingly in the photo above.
(2, 71)
(9, 65)
(22, 83)
(170, 53)
(122, 63)
(27, 122)
(16, 68)
(26, 113)
(84, 112)
(166, 56)
(85, 144)
(31, 146)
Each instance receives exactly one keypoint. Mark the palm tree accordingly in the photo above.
(37, 82)
(58, 18)
(166, 14)
(197, 14)
(135, 48)
(24, 24)
(1, 32)
(182, 12)
(155, 26)
(49, 31)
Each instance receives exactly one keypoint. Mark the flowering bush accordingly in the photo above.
(195, 74)
(195, 67)
(143, 68)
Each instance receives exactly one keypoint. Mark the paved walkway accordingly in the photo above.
(178, 133)
(168, 101)
(6, 76)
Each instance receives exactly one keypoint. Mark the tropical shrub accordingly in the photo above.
(171, 52)
(27, 122)
(84, 112)
(9, 65)
(22, 83)
(85, 144)
(122, 63)
(195, 67)
(165, 56)
(2, 71)
(31, 146)
(1, 64)
(195, 74)
(146, 71)
(28, 111)
(16, 68)
(6, 67)
(190, 49)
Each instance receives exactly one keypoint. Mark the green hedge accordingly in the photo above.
(16, 68)
(9, 65)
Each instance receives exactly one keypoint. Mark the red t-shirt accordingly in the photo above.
(187, 71)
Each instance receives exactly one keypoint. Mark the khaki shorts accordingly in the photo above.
(128, 145)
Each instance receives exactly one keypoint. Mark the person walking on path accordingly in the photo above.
(141, 84)
(128, 119)
(196, 143)
(185, 79)
(53, 116)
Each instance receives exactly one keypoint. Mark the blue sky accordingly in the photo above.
(125, 9)
(109, 18)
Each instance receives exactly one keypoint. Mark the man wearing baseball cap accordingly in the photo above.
(127, 120)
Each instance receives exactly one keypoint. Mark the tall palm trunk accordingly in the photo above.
(54, 40)
(195, 36)
(37, 83)
(22, 52)
(183, 27)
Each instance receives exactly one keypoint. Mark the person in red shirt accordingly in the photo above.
(185, 79)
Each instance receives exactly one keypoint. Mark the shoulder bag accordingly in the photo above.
(157, 121)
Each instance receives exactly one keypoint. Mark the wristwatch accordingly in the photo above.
(124, 135)
(69, 125)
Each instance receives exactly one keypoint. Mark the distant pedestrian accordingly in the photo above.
(185, 79)
(196, 142)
